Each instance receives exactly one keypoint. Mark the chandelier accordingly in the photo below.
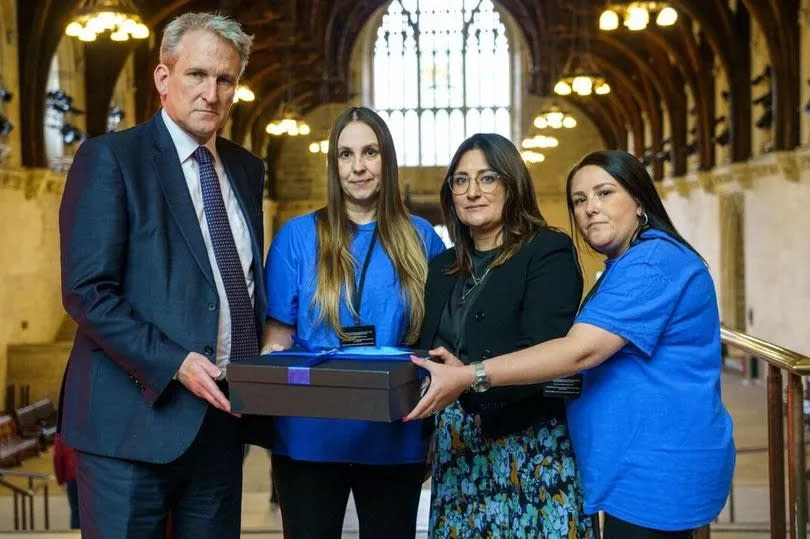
(636, 15)
(288, 124)
(554, 118)
(532, 157)
(320, 146)
(579, 75)
(243, 93)
(540, 141)
(119, 17)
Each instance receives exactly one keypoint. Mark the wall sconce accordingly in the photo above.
(5, 126)
(114, 117)
(647, 157)
(766, 120)
(762, 77)
(5, 94)
(724, 136)
(764, 100)
(71, 134)
(59, 101)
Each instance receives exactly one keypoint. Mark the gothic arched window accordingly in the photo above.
(441, 73)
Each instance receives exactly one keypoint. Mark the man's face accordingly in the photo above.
(197, 91)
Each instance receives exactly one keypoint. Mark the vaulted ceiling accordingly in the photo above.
(649, 71)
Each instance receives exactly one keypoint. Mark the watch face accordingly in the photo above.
(480, 385)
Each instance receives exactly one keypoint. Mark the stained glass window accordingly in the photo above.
(441, 73)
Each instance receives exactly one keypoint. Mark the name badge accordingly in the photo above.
(359, 336)
(569, 387)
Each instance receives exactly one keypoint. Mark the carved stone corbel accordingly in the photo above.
(788, 165)
(707, 180)
(741, 173)
(36, 181)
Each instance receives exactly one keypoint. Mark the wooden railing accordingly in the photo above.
(795, 366)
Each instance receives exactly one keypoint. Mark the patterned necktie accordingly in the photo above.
(244, 341)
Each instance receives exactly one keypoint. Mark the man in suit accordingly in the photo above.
(161, 238)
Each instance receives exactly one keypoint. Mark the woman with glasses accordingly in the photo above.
(503, 465)
(652, 436)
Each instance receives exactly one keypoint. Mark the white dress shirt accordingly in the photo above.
(186, 146)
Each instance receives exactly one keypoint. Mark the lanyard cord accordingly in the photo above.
(358, 291)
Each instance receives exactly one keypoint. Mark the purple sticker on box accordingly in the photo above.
(298, 376)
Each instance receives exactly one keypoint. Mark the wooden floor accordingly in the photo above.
(262, 519)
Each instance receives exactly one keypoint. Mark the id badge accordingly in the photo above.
(569, 387)
(360, 336)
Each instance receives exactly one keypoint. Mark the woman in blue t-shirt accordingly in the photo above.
(350, 273)
(652, 439)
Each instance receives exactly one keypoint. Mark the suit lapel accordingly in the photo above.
(173, 183)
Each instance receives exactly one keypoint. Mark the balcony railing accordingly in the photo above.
(795, 366)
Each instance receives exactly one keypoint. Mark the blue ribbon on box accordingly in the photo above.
(312, 356)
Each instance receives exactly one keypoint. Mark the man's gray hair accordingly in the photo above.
(224, 27)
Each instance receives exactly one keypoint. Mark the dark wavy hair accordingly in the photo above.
(626, 169)
(521, 216)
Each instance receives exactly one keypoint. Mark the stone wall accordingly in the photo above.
(29, 259)
(774, 252)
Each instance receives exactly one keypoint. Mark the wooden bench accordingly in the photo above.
(13, 448)
(38, 420)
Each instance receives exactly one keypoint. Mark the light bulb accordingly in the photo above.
(314, 147)
(303, 128)
(608, 20)
(666, 17)
(87, 35)
(324, 146)
(562, 88)
(602, 89)
(569, 122)
(140, 31)
(582, 85)
(243, 93)
(119, 36)
(73, 29)
(636, 18)
(540, 122)
(529, 143)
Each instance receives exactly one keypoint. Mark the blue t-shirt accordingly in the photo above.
(291, 281)
(652, 438)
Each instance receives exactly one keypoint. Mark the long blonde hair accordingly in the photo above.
(397, 235)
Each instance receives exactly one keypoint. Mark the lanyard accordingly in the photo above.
(358, 291)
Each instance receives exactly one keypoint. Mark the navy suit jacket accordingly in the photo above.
(137, 280)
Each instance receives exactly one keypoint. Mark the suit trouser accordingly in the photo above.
(202, 488)
(313, 497)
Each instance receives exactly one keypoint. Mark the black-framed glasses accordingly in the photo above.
(486, 182)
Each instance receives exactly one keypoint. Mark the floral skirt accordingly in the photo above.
(520, 485)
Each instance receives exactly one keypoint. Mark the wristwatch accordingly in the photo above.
(481, 382)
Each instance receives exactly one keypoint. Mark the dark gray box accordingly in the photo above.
(371, 390)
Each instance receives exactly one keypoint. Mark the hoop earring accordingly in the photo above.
(643, 219)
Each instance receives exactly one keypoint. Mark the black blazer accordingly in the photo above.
(531, 298)
(137, 280)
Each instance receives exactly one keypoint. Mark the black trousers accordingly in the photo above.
(619, 529)
(202, 489)
(313, 498)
